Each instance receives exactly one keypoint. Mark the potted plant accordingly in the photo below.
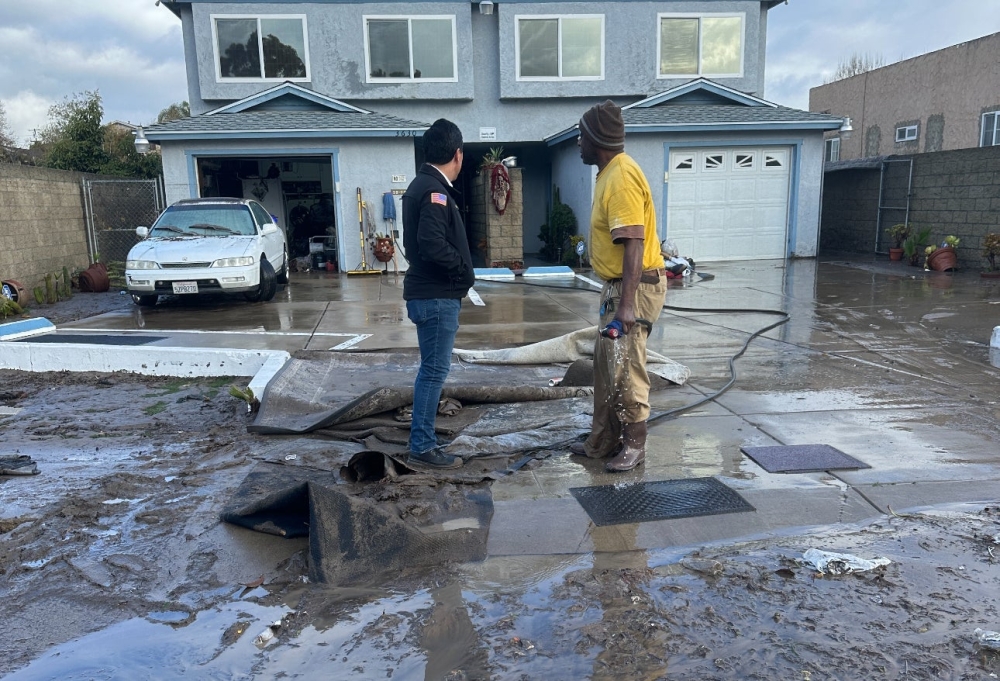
(913, 245)
(943, 258)
(991, 251)
(897, 233)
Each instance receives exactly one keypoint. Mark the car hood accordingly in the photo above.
(193, 249)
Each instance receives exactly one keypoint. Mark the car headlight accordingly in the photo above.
(142, 265)
(234, 262)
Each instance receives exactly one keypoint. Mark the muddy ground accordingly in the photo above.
(113, 564)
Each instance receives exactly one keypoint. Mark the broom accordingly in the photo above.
(362, 268)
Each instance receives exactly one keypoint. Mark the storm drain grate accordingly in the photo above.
(92, 339)
(802, 458)
(662, 500)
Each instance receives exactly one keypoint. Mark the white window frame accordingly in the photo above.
(831, 144)
(699, 16)
(910, 133)
(559, 47)
(260, 48)
(996, 128)
(409, 27)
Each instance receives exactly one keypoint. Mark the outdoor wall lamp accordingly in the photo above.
(486, 6)
(845, 129)
(141, 143)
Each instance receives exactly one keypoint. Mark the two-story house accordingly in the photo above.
(291, 101)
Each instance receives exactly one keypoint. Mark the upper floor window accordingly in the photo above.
(401, 49)
(261, 48)
(906, 133)
(833, 149)
(700, 45)
(560, 47)
(991, 129)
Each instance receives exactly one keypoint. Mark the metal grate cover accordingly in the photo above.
(802, 458)
(662, 500)
(91, 339)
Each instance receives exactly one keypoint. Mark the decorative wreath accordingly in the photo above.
(500, 187)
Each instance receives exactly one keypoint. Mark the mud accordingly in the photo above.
(113, 563)
(81, 306)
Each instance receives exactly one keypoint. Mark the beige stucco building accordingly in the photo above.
(948, 99)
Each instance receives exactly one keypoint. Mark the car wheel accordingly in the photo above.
(145, 301)
(268, 284)
(283, 274)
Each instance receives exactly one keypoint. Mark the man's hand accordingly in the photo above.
(631, 272)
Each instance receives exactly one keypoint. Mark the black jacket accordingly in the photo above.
(435, 241)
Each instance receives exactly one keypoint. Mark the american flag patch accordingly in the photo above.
(440, 199)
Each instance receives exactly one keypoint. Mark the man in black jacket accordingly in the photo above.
(439, 276)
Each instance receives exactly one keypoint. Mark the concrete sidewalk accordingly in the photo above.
(885, 362)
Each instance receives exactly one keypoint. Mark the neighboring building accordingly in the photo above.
(943, 100)
(335, 95)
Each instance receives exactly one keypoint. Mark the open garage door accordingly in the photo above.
(297, 190)
(729, 203)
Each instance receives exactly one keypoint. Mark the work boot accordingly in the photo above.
(434, 458)
(633, 451)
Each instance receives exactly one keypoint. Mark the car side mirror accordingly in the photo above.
(270, 228)
(142, 232)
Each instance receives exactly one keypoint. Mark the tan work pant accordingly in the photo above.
(621, 384)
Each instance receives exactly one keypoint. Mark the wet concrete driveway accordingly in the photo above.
(885, 362)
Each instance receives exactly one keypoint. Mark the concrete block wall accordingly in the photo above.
(954, 193)
(42, 224)
(497, 238)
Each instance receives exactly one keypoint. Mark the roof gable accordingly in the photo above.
(287, 97)
(700, 91)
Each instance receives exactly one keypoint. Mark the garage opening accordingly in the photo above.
(296, 190)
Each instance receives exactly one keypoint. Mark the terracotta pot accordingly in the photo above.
(94, 279)
(942, 259)
(17, 292)
(895, 254)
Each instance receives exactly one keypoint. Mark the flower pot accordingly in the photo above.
(942, 259)
(895, 254)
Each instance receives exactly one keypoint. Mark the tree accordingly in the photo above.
(857, 64)
(122, 158)
(174, 112)
(6, 137)
(74, 136)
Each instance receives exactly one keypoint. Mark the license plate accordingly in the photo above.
(185, 287)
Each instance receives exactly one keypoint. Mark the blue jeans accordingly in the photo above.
(437, 324)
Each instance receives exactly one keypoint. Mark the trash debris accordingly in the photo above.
(448, 406)
(246, 394)
(988, 639)
(291, 457)
(840, 563)
(709, 567)
(17, 464)
(265, 636)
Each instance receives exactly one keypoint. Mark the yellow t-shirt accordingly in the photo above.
(622, 198)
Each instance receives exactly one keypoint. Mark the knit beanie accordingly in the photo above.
(603, 125)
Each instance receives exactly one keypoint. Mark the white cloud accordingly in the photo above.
(24, 112)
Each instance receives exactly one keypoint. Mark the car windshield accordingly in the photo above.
(215, 220)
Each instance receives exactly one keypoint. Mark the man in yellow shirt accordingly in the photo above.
(625, 253)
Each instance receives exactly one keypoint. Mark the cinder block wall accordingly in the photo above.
(501, 235)
(954, 192)
(42, 226)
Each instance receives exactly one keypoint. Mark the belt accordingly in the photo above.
(648, 276)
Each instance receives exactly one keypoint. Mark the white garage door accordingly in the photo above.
(729, 203)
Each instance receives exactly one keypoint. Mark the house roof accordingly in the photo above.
(704, 106)
(285, 124)
(307, 99)
(175, 5)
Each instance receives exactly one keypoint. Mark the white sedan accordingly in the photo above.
(208, 246)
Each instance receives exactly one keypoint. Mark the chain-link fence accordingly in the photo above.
(114, 209)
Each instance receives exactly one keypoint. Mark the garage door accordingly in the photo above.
(729, 204)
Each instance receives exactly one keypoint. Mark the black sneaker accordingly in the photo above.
(434, 458)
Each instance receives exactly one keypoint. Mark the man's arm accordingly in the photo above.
(432, 237)
(631, 272)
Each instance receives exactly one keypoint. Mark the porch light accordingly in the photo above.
(846, 129)
(141, 143)
(486, 6)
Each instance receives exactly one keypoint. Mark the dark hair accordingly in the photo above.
(441, 141)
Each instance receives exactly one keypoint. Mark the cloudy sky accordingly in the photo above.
(131, 51)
